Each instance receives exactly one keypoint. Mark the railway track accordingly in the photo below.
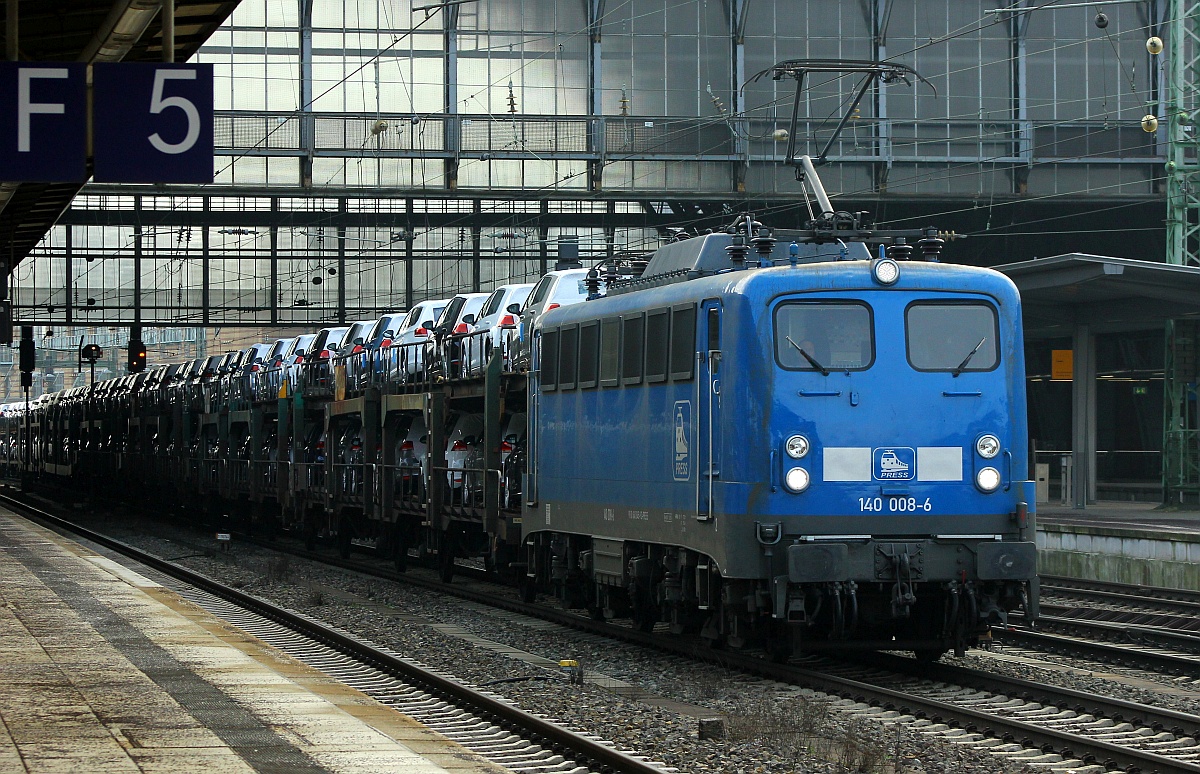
(477, 720)
(1179, 600)
(1154, 629)
(1048, 725)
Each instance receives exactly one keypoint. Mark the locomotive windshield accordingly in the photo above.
(952, 337)
(820, 335)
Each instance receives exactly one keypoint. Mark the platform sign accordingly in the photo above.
(1062, 365)
(43, 122)
(152, 122)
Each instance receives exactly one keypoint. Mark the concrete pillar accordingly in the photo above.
(1083, 417)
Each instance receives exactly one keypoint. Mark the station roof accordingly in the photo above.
(90, 31)
(1108, 294)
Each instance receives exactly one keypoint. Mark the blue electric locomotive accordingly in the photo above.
(819, 450)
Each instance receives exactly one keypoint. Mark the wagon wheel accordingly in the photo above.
(344, 535)
(399, 549)
(446, 557)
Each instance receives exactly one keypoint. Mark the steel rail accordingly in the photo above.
(1175, 628)
(563, 740)
(1174, 600)
(1103, 651)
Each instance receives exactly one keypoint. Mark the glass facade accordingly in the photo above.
(370, 156)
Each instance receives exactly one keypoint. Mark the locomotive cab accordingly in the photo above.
(897, 511)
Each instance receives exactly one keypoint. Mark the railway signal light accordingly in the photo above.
(137, 356)
(28, 355)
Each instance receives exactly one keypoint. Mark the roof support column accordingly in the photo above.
(543, 238)
(1083, 418)
(341, 260)
(1018, 30)
(68, 275)
(205, 267)
(476, 246)
(307, 119)
(881, 16)
(453, 125)
(738, 11)
(409, 236)
(137, 262)
(595, 11)
(168, 30)
(273, 233)
(11, 27)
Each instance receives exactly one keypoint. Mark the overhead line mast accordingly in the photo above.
(1181, 427)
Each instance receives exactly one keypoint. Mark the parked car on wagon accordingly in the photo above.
(497, 327)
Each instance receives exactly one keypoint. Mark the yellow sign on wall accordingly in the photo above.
(1062, 365)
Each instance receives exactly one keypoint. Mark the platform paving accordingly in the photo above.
(103, 670)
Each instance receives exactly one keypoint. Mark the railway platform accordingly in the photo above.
(104, 670)
(1126, 542)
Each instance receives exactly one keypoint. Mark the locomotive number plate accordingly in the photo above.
(894, 505)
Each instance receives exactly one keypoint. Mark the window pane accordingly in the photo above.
(567, 357)
(835, 335)
(683, 342)
(549, 364)
(589, 340)
(657, 345)
(942, 337)
(610, 350)
(631, 349)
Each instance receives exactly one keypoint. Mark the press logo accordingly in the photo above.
(682, 468)
(895, 463)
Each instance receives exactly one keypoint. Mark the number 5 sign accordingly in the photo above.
(152, 123)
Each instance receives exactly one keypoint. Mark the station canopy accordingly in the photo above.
(1109, 295)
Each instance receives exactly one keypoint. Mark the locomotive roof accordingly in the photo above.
(828, 276)
(707, 254)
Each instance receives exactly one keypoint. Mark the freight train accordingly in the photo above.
(802, 441)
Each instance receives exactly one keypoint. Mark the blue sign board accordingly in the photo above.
(152, 122)
(43, 122)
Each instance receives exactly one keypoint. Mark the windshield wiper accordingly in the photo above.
(959, 369)
(811, 360)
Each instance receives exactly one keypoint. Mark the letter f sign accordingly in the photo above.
(43, 122)
(26, 107)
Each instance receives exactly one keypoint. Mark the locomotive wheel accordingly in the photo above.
(644, 616)
(778, 643)
(527, 588)
(929, 655)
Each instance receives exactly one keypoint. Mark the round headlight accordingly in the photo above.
(797, 446)
(987, 479)
(988, 446)
(886, 271)
(796, 479)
